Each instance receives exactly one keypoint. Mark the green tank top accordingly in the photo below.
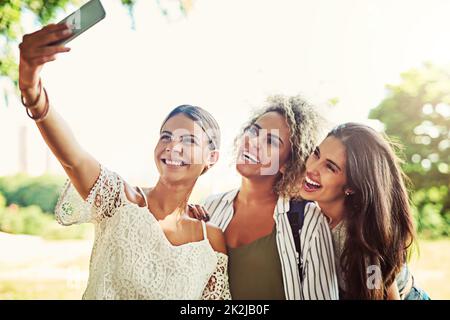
(254, 270)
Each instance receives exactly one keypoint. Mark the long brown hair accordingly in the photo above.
(379, 221)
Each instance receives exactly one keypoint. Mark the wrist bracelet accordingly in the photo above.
(44, 113)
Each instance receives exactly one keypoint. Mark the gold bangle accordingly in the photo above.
(35, 102)
(44, 113)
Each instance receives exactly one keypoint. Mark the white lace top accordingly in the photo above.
(131, 257)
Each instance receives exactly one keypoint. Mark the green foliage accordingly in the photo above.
(416, 112)
(2, 202)
(27, 204)
(25, 191)
(11, 12)
(9, 18)
(31, 220)
(432, 218)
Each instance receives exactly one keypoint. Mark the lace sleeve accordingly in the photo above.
(105, 197)
(218, 287)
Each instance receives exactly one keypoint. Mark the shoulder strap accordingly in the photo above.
(143, 194)
(296, 216)
(205, 235)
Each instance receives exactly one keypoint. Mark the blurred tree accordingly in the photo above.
(416, 112)
(2, 202)
(24, 191)
(11, 28)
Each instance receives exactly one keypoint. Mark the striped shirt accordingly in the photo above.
(319, 273)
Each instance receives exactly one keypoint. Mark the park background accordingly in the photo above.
(383, 63)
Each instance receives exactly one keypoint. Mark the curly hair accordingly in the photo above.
(304, 124)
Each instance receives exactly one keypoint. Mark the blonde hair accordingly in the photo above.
(304, 124)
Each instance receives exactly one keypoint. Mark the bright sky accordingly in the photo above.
(117, 84)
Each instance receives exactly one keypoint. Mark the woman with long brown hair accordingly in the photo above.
(355, 177)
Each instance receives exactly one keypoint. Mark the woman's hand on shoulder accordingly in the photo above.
(198, 212)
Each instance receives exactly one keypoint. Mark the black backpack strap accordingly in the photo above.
(296, 216)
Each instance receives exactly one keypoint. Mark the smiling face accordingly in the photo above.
(265, 147)
(326, 178)
(183, 152)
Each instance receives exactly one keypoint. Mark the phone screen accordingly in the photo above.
(82, 19)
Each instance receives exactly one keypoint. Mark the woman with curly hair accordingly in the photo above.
(264, 262)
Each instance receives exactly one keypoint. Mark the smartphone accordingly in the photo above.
(82, 19)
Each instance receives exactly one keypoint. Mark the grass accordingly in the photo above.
(39, 290)
(431, 267)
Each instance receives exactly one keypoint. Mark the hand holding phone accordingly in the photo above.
(82, 19)
(35, 51)
(42, 46)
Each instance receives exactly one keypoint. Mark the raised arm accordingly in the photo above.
(35, 51)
